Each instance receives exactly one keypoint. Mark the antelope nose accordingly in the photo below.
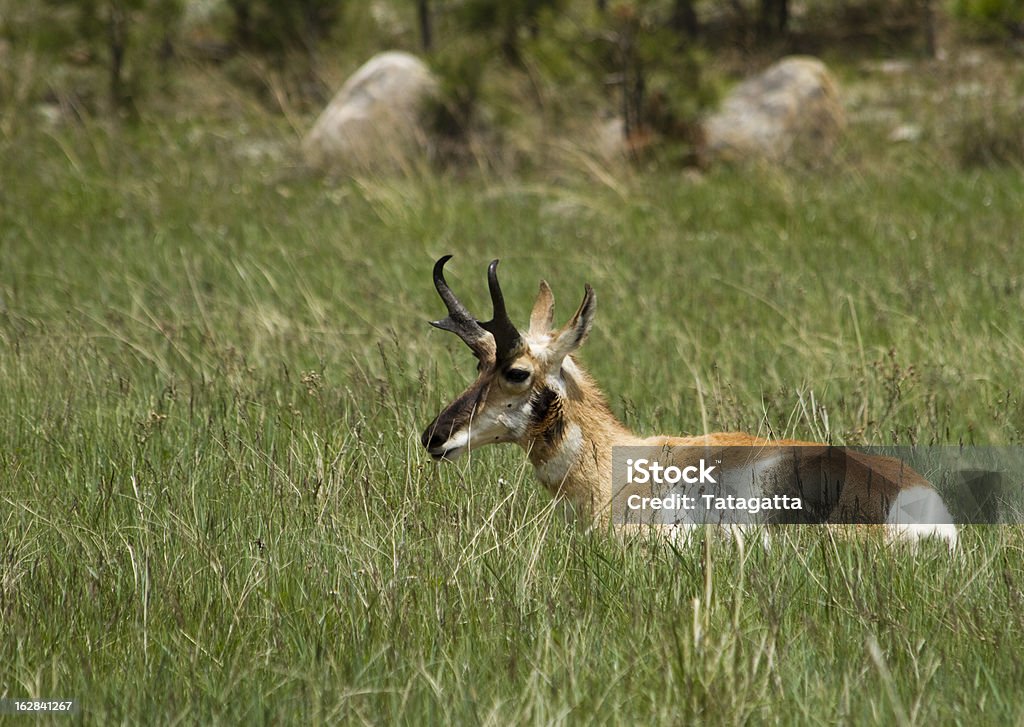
(431, 439)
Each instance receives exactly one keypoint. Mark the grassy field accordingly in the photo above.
(214, 370)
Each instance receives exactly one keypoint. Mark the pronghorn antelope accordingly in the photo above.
(530, 390)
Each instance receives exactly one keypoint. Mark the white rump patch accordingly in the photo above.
(918, 513)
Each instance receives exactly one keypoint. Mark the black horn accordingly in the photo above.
(507, 340)
(460, 321)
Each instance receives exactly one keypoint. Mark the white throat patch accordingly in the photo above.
(554, 470)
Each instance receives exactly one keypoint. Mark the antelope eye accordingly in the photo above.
(517, 376)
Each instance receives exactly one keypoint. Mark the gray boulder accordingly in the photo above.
(792, 108)
(374, 120)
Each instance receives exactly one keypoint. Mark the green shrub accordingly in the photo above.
(283, 25)
(460, 68)
(993, 136)
(119, 33)
(991, 18)
(654, 71)
(507, 21)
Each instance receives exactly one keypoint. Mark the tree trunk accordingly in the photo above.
(426, 29)
(117, 42)
(931, 44)
(774, 19)
(510, 45)
(684, 18)
(243, 22)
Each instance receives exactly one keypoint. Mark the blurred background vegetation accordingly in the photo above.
(656, 65)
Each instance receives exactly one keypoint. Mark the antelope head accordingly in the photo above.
(520, 377)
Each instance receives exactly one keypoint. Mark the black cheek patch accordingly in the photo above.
(458, 414)
(546, 418)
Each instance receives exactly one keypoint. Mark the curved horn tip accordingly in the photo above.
(492, 282)
(439, 265)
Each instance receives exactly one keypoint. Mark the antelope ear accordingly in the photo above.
(572, 334)
(543, 314)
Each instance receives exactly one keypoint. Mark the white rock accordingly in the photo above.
(374, 120)
(610, 139)
(905, 132)
(792, 105)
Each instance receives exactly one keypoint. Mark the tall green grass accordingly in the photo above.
(214, 371)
